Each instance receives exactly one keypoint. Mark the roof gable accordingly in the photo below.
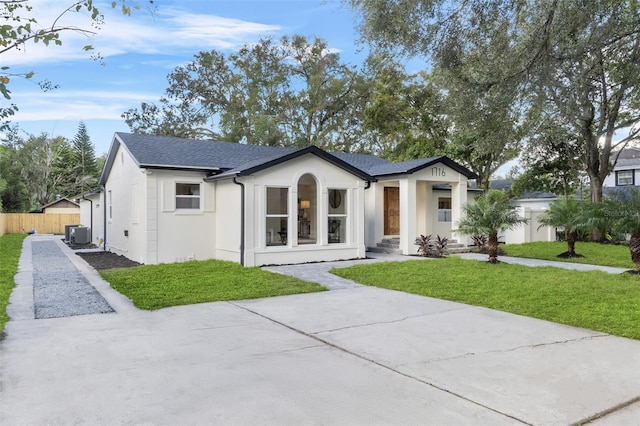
(265, 163)
(412, 166)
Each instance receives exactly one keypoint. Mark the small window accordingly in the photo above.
(624, 178)
(187, 195)
(444, 209)
(110, 204)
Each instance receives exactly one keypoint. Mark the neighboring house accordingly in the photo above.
(529, 205)
(168, 199)
(627, 170)
(60, 206)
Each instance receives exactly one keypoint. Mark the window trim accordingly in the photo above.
(444, 210)
(285, 215)
(190, 197)
(344, 198)
(633, 177)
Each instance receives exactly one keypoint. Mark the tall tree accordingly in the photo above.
(578, 62)
(405, 113)
(84, 161)
(291, 93)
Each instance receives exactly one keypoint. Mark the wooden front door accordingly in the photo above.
(391, 210)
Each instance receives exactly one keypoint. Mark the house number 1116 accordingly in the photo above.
(437, 171)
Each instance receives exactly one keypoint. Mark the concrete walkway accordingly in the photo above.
(357, 356)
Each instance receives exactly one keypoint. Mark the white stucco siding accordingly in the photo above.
(176, 234)
(92, 216)
(287, 175)
(125, 202)
(418, 205)
(227, 220)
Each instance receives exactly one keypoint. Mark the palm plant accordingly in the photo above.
(565, 213)
(492, 212)
(619, 212)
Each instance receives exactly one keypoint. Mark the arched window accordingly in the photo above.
(308, 215)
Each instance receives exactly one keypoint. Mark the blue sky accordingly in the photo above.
(139, 51)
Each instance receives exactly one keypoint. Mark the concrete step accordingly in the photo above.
(388, 245)
(384, 250)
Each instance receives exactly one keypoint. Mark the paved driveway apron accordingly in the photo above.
(357, 355)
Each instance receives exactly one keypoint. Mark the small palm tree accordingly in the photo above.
(565, 213)
(492, 212)
(621, 213)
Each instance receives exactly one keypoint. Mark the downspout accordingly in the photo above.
(90, 216)
(242, 213)
(104, 218)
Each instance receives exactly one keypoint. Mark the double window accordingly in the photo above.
(625, 178)
(444, 209)
(188, 196)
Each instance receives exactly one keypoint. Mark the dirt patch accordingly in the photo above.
(567, 255)
(106, 260)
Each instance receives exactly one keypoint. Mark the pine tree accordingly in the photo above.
(85, 160)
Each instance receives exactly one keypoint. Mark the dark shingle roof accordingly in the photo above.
(166, 151)
(232, 159)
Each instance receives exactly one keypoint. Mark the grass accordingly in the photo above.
(159, 286)
(593, 300)
(10, 249)
(594, 253)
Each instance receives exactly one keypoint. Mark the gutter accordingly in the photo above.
(242, 214)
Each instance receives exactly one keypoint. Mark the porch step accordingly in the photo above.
(386, 250)
(387, 245)
(392, 246)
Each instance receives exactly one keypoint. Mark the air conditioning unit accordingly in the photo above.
(80, 235)
(67, 232)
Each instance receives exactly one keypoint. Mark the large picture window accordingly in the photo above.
(337, 225)
(187, 195)
(277, 219)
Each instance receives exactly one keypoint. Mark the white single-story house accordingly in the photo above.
(168, 199)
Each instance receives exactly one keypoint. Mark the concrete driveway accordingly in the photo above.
(354, 356)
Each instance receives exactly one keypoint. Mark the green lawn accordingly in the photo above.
(594, 253)
(160, 286)
(10, 249)
(593, 300)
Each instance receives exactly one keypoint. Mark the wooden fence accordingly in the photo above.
(15, 223)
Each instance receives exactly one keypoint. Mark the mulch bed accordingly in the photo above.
(106, 260)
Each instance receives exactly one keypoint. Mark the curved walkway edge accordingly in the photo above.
(553, 263)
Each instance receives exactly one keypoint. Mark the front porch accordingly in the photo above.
(392, 246)
(428, 201)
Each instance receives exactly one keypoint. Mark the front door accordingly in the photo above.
(391, 210)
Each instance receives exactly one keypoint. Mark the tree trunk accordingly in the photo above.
(571, 242)
(634, 248)
(493, 248)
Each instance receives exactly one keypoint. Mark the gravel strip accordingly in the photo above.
(59, 289)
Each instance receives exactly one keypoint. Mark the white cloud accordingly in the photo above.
(168, 31)
(77, 105)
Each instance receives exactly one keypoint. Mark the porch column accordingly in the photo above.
(408, 227)
(458, 201)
